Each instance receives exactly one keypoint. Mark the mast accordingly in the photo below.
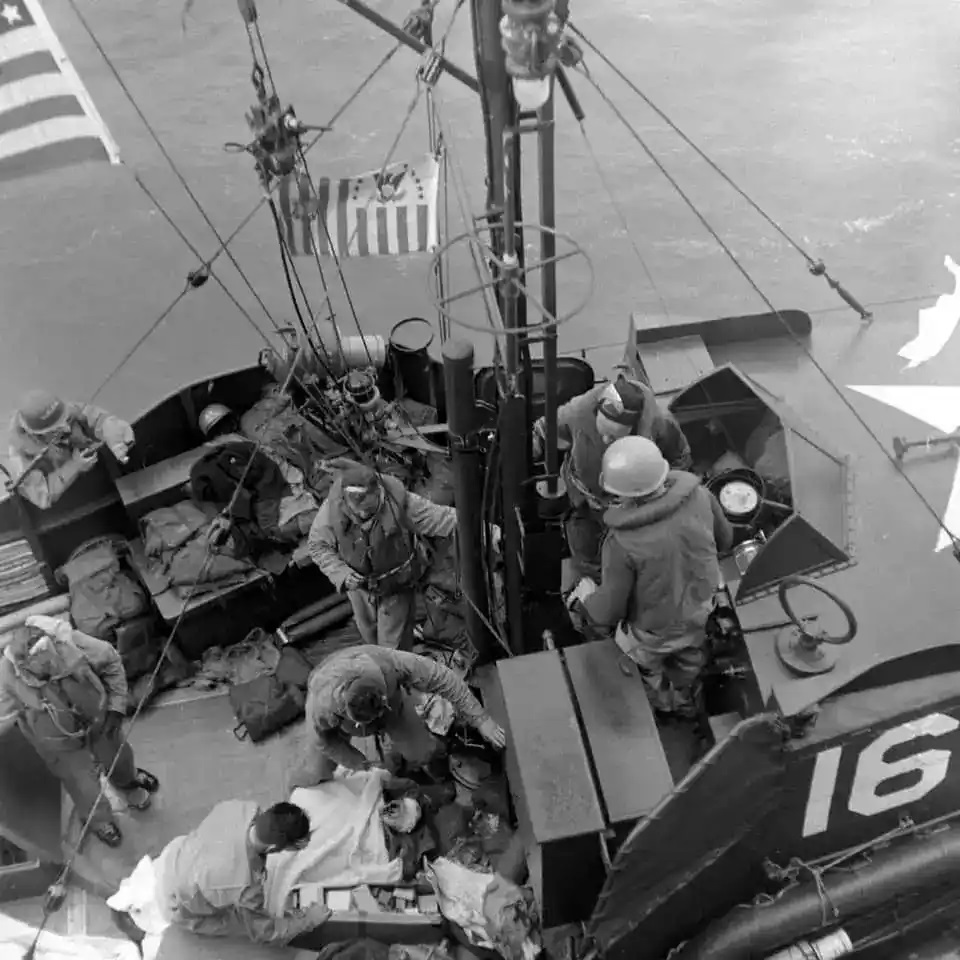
(504, 192)
(515, 45)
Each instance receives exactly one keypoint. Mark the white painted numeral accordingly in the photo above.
(873, 770)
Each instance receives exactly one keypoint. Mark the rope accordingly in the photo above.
(208, 557)
(837, 390)
(166, 155)
(622, 217)
(815, 266)
(166, 216)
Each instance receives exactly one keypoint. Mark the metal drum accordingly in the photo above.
(410, 342)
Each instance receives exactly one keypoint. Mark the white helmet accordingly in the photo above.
(633, 467)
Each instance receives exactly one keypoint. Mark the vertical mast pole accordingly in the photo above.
(548, 281)
(503, 204)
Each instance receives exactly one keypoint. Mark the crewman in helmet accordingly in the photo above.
(52, 442)
(366, 690)
(589, 424)
(369, 540)
(297, 507)
(660, 570)
(217, 419)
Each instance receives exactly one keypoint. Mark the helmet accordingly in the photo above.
(633, 467)
(210, 416)
(42, 412)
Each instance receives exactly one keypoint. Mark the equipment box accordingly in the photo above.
(390, 914)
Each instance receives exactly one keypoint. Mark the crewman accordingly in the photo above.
(212, 881)
(589, 424)
(52, 442)
(659, 570)
(370, 541)
(366, 690)
(68, 694)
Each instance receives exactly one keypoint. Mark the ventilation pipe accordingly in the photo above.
(327, 353)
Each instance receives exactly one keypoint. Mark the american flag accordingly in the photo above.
(383, 213)
(47, 118)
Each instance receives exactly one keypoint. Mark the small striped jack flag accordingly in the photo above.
(383, 213)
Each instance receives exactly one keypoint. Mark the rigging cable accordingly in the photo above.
(166, 155)
(816, 267)
(322, 220)
(753, 284)
(186, 240)
(64, 873)
(194, 279)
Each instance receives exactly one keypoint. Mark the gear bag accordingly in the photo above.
(103, 594)
(264, 706)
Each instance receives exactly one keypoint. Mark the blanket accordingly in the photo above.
(347, 843)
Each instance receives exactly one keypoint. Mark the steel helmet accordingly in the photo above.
(212, 415)
(633, 467)
(42, 412)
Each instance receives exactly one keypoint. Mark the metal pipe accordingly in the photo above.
(398, 33)
(909, 865)
(831, 947)
(462, 423)
(546, 142)
(513, 424)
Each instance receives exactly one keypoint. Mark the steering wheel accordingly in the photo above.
(820, 636)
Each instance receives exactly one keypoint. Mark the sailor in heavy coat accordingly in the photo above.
(589, 424)
(369, 540)
(366, 690)
(660, 570)
(68, 694)
(53, 442)
(211, 881)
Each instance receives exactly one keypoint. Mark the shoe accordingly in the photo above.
(108, 833)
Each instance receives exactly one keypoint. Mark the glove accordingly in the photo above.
(112, 725)
(492, 732)
(538, 440)
(84, 460)
(352, 581)
(317, 914)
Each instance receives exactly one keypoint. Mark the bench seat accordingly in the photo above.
(158, 485)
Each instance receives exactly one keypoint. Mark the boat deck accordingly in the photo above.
(187, 741)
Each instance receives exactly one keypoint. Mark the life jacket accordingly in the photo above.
(388, 553)
(61, 706)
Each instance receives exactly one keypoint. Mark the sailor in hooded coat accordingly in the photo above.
(589, 424)
(368, 539)
(53, 442)
(68, 694)
(365, 690)
(660, 570)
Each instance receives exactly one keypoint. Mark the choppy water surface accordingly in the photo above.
(839, 118)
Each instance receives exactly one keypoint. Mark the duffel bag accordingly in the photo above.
(263, 706)
(102, 593)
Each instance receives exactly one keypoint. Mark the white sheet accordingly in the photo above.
(347, 844)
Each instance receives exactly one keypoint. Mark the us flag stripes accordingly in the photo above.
(47, 118)
(385, 213)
